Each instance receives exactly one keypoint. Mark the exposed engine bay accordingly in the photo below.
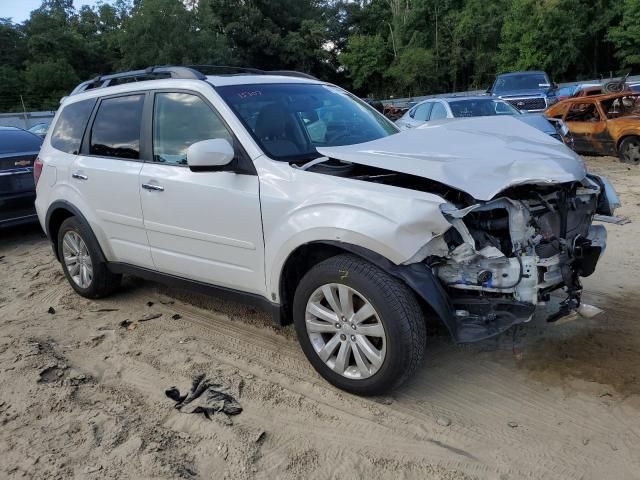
(507, 255)
(503, 257)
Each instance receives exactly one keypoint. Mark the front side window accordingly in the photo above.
(422, 111)
(70, 126)
(180, 120)
(583, 112)
(116, 128)
(289, 121)
(438, 111)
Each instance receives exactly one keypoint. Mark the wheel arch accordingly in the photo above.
(418, 277)
(624, 137)
(57, 213)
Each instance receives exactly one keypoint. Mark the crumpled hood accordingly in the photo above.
(481, 156)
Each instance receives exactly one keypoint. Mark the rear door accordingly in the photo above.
(106, 175)
(205, 225)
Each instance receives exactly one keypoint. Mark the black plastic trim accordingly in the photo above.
(197, 286)
(418, 276)
(64, 205)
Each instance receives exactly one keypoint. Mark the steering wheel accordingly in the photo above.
(337, 136)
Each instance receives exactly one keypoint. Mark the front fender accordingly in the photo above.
(300, 207)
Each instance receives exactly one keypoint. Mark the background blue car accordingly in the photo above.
(18, 151)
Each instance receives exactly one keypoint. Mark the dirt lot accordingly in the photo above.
(83, 397)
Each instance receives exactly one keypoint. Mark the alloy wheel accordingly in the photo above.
(77, 259)
(345, 331)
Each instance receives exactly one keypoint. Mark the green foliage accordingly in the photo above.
(366, 59)
(626, 36)
(48, 81)
(413, 71)
(380, 48)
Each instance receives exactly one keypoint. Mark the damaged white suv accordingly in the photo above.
(299, 196)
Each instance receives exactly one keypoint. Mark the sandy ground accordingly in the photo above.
(82, 397)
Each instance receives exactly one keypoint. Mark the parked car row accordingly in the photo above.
(439, 109)
(582, 116)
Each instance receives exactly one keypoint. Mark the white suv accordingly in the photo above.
(299, 196)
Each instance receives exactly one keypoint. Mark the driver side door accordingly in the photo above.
(204, 225)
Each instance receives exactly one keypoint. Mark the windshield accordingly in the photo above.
(290, 120)
(526, 81)
(484, 107)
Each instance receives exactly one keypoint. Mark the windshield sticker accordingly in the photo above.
(249, 94)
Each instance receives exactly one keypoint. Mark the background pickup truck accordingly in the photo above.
(527, 91)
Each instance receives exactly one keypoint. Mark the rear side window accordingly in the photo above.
(67, 134)
(18, 141)
(116, 128)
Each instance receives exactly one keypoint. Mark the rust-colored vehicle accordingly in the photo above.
(603, 124)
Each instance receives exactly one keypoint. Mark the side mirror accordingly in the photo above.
(209, 155)
(488, 91)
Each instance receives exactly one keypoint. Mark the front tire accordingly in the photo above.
(629, 150)
(78, 251)
(362, 329)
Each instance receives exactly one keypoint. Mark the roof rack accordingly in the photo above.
(192, 72)
(228, 70)
(146, 74)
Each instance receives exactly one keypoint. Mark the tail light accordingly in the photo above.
(37, 170)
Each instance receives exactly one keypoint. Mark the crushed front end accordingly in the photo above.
(505, 256)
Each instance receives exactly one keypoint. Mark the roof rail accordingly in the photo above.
(150, 72)
(289, 73)
(192, 72)
(225, 69)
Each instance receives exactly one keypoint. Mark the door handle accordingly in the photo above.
(149, 186)
(79, 176)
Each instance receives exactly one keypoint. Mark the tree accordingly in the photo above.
(413, 71)
(626, 35)
(159, 32)
(366, 60)
(48, 81)
(377, 47)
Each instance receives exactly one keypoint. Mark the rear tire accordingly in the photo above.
(629, 151)
(363, 353)
(79, 254)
